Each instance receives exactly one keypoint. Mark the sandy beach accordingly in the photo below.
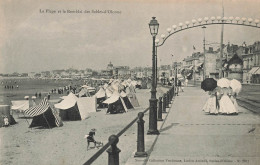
(66, 145)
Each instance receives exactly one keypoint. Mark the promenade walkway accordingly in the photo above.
(190, 137)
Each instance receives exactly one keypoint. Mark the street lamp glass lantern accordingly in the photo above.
(154, 26)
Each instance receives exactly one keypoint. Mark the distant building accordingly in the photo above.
(234, 68)
(165, 72)
(110, 66)
(137, 72)
(251, 63)
(211, 66)
(122, 72)
(194, 63)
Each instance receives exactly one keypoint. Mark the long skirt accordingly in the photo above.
(226, 105)
(210, 106)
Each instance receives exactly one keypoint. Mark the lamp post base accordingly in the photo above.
(153, 132)
(140, 154)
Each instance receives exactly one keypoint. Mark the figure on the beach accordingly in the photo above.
(6, 122)
(90, 138)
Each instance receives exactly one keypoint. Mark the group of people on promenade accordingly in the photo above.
(10, 84)
(222, 99)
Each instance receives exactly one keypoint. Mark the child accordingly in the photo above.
(6, 122)
(90, 138)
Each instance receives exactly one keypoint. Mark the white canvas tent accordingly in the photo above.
(127, 101)
(20, 105)
(83, 93)
(101, 96)
(73, 108)
(101, 93)
(115, 104)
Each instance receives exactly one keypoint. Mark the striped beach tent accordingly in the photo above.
(43, 115)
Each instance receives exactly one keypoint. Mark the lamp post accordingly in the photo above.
(156, 70)
(204, 50)
(154, 26)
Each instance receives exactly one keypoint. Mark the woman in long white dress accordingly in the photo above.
(226, 105)
(211, 105)
(233, 98)
(236, 87)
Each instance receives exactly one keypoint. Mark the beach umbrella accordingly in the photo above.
(235, 85)
(208, 84)
(33, 97)
(223, 83)
(26, 97)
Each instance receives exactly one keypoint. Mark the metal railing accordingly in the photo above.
(113, 151)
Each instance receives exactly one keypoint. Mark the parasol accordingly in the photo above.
(26, 97)
(209, 84)
(223, 83)
(33, 97)
(235, 85)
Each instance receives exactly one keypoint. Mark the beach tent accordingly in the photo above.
(109, 91)
(5, 113)
(89, 88)
(116, 104)
(126, 100)
(84, 93)
(20, 105)
(86, 105)
(43, 115)
(101, 96)
(133, 99)
(68, 108)
(73, 108)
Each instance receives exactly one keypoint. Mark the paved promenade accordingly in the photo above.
(190, 137)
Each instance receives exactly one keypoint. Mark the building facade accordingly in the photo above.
(251, 63)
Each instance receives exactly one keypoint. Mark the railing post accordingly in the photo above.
(160, 110)
(170, 94)
(167, 99)
(173, 91)
(164, 103)
(140, 137)
(113, 151)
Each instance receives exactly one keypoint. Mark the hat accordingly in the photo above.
(93, 130)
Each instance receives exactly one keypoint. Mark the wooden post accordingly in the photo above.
(113, 151)
(140, 137)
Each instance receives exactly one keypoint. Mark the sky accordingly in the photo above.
(33, 40)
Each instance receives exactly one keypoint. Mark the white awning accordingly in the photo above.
(253, 70)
